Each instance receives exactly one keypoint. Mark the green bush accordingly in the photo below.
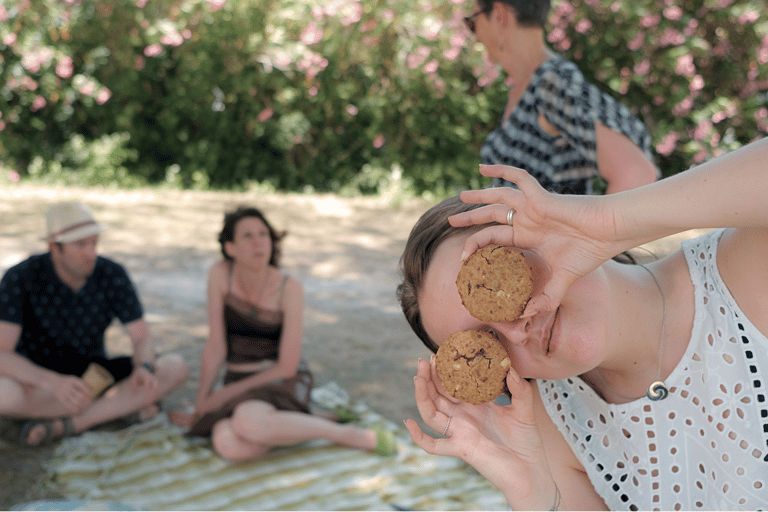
(343, 95)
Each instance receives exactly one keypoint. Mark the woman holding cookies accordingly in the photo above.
(255, 320)
(631, 386)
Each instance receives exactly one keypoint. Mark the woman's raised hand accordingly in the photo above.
(501, 442)
(574, 234)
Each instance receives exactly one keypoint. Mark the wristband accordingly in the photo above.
(149, 366)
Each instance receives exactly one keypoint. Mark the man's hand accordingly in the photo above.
(72, 392)
(142, 380)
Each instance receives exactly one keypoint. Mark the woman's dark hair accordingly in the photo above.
(529, 13)
(426, 236)
(231, 219)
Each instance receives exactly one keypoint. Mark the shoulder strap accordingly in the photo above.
(282, 288)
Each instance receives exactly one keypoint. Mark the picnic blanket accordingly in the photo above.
(152, 466)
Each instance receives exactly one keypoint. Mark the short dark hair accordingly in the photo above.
(529, 13)
(231, 219)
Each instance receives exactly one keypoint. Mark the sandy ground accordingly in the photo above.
(344, 250)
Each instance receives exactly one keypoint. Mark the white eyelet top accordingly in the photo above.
(704, 447)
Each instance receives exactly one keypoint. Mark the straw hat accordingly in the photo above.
(68, 222)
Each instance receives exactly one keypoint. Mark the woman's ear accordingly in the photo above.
(228, 249)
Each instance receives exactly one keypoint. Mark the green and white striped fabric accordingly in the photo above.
(152, 466)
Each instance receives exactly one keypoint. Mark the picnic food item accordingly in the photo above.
(98, 379)
(472, 366)
(495, 284)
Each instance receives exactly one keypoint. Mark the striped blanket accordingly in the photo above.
(152, 466)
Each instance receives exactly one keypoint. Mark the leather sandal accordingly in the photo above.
(50, 435)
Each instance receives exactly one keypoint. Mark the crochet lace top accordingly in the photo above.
(704, 447)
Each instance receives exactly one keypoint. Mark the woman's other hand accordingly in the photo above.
(501, 442)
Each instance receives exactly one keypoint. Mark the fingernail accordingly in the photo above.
(463, 255)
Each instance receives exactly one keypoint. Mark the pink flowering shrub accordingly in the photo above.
(328, 94)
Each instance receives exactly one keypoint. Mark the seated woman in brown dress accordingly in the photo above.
(255, 320)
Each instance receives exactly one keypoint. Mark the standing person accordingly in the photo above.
(599, 340)
(255, 321)
(54, 311)
(560, 128)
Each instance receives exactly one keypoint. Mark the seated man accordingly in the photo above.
(54, 311)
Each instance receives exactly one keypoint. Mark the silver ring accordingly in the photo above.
(510, 214)
(446, 426)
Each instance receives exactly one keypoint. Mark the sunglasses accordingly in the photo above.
(470, 22)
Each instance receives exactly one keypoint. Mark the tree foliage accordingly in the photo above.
(344, 94)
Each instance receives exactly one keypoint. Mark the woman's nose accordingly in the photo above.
(517, 332)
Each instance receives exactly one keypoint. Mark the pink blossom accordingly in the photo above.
(452, 53)
(12, 175)
(186, 33)
(313, 91)
(9, 39)
(671, 37)
(2, 125)
(153, 50)
(637, 42)
(103, 96)
(312, 34)
(668, 143)
(583, 26)
(683, 107)
(171, 39)
(642, 67)
(762, 113)
(685, 65)
(64, 68)
(650, 20)
(378, 141)
(3, 13)
(556, 35)
(265, 114)
(354, 13)
(431, 66)
(748, 17)
(38, 103)
(417, 58)
(702, 130)
(368, 26)
(139, 62)
(690, 30)
(673, 13)
(88, 88)
(141, 3)
(215, 5)
(28, 83)
(696, 84)
(352, 110)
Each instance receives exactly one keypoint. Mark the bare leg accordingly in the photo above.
(255, 427)
(117, 402)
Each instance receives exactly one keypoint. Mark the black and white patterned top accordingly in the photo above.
(59, 324)
(567, 163)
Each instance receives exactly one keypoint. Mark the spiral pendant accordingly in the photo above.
(657, 391)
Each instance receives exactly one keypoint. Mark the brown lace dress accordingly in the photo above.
(253, 335)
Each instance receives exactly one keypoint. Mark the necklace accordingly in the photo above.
(658, 389)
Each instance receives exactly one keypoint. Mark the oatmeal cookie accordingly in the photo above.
(495, 284)
(472, 366)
